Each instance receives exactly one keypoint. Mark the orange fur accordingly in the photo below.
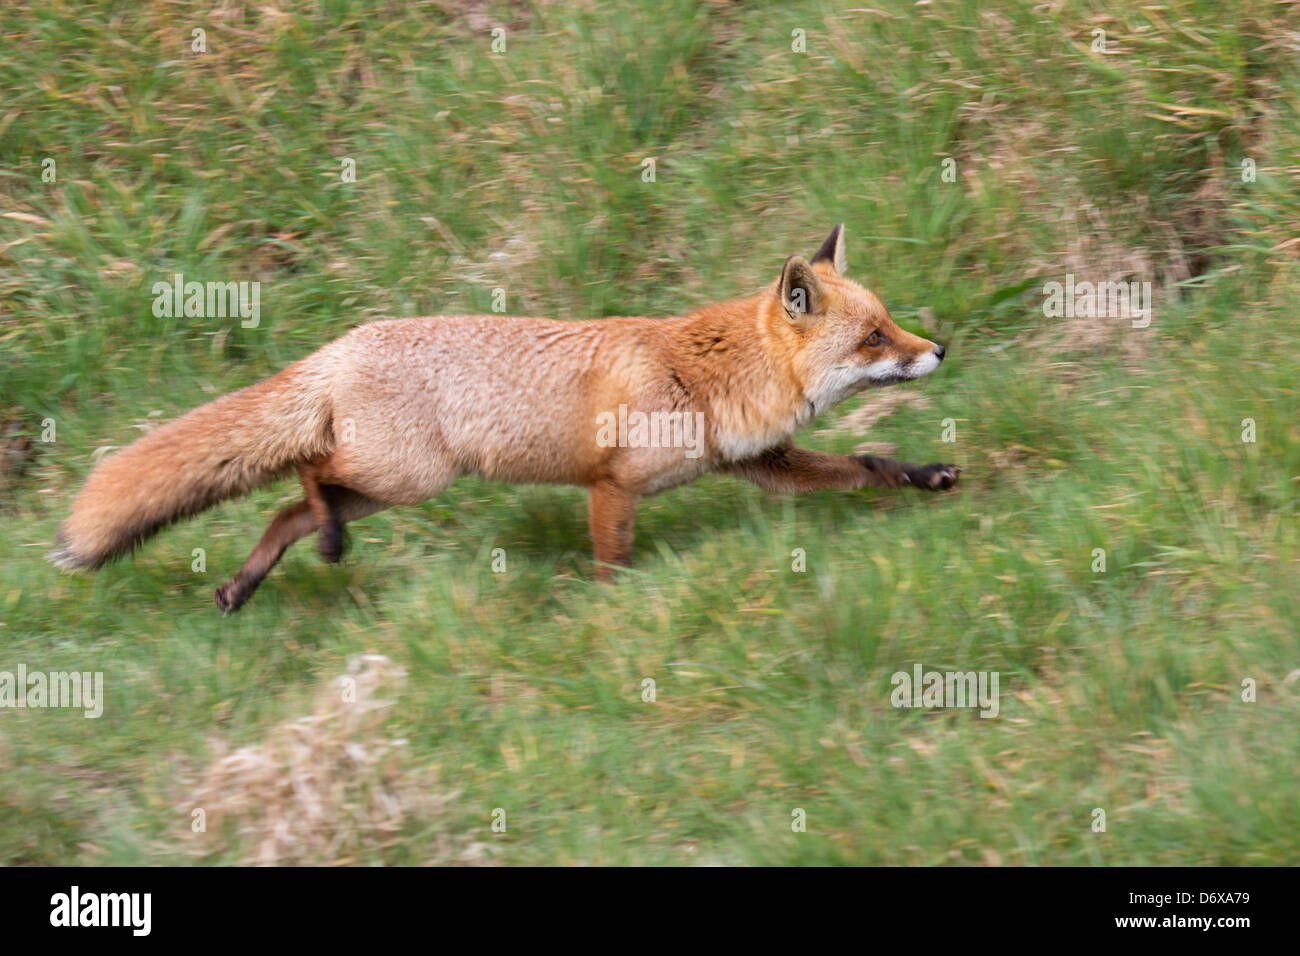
(218, 451)
(392, 412)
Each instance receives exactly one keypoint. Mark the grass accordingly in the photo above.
(523, 691)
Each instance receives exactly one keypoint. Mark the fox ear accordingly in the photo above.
(832, 251)
(801, 291)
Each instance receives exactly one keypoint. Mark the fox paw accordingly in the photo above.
(230, 597)
(934, 477)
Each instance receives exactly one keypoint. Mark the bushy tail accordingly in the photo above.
(218, 451)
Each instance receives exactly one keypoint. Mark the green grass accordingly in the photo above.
(1120, 690)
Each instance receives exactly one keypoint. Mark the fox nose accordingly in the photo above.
(939, 352)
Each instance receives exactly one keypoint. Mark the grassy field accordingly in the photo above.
(1169, 156)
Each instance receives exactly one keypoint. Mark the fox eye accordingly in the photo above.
(873, 339)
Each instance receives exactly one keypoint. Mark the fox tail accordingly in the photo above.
(217, 451)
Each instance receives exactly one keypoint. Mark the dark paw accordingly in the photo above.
(887, 473)
(934, 477)
(332, 543)
(230, 597)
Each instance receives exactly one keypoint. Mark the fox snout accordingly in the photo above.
(913, 360)
(927, 361)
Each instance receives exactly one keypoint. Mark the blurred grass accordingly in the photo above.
(522, 171)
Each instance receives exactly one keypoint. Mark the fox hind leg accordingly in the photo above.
(289, 525)
(327, 508)
(332, 505)
(343, 505)
(332, 541)
(323, 501)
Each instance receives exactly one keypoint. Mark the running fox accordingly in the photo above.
(394, 411)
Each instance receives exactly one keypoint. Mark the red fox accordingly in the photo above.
(394, 411)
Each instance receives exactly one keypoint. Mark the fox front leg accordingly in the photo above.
(790, 469)
(891, 474)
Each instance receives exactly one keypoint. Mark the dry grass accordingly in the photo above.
(322, 787)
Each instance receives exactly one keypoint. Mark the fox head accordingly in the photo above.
(844, 339)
